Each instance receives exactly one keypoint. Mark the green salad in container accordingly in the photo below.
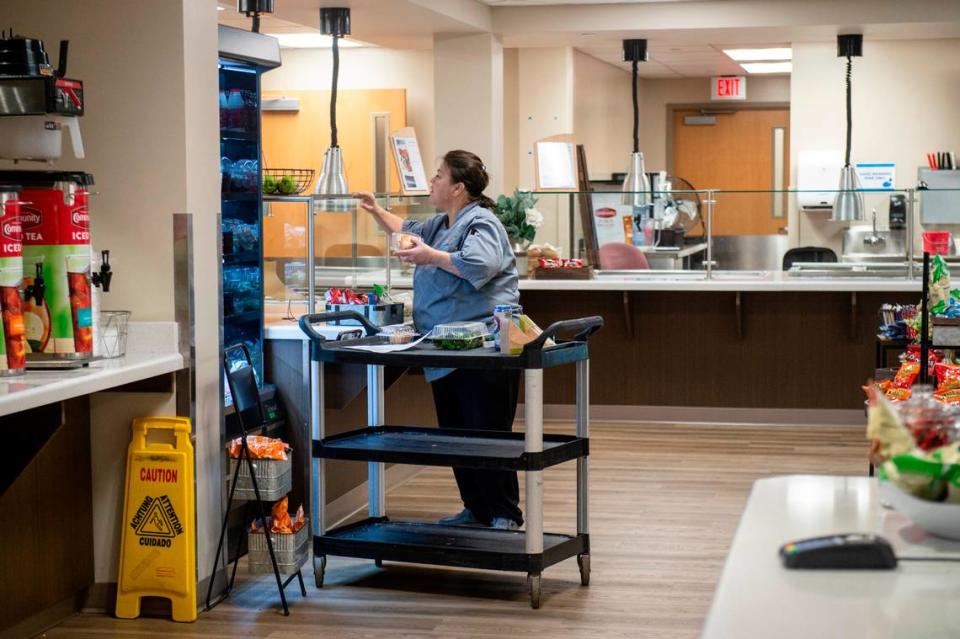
(459, 336)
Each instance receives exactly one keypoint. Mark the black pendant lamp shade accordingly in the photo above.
(254, 9)
(848, 205)
(334, 22)
(635, 185)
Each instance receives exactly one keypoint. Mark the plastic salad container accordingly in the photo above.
(459, 336)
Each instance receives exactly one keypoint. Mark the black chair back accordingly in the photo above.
(820, 254)
(243, 388)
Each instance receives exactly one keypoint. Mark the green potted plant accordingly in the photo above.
(519, 217)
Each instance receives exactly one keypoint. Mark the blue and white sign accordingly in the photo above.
(877, 176)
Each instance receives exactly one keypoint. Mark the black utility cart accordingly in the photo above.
(380, 538)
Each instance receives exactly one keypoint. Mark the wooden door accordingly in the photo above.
(736, 153)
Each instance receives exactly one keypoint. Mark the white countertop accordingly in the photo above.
(757, 597)
(151, 351)
(772, 281)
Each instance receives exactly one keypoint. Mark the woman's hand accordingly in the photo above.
(419, 253)
(368, 203)
(387, 220)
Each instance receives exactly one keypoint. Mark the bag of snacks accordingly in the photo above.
(907, 374)
(280, 520)
(260, 448)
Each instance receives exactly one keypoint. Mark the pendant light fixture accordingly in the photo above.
(636, 185)
(254, 9)
(334, 22)
(848, 204)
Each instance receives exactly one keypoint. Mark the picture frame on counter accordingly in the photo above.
(555, 163)
(409, 161)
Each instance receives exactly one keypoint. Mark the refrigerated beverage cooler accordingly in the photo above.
(244, 56)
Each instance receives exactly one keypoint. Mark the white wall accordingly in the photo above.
(602, 114)
(366, 68)
(151, 138)
(906, 102)
(657, 95)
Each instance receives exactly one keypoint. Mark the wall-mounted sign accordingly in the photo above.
(877, 175)
(728, 87)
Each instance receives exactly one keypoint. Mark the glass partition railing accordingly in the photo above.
(714, 233)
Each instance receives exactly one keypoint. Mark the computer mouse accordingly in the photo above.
(850, 551)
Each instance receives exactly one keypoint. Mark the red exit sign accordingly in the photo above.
(728, 87)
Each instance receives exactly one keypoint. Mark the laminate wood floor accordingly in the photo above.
(665, 501)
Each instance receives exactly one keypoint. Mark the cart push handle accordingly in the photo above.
(585, 327)
(307, 322)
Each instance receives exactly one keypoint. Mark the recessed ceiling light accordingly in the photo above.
(310, 41)
(767, 67)
(219, 8)
(746, 55)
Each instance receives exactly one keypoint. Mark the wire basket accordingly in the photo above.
(289, 549)
(274, 479)
(301, 178)
(113, 333)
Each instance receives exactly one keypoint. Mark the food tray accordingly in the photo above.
(379, 314)
(289, 549)
(584, 273)
(273, 479)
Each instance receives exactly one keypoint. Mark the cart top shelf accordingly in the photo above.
(535, 354)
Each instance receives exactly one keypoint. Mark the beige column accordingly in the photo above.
(468, 99)
(544, 108)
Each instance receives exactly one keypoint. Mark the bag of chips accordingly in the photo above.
(260, 448)
(907, 375)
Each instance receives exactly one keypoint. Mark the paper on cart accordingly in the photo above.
(388, 348)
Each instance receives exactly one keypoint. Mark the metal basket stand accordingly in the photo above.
(246, 396)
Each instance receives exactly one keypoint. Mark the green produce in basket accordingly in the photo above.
(269, 184)
(288, 185)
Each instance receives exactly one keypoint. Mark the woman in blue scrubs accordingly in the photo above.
(465, 267)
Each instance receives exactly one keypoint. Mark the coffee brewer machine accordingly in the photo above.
(37, 103)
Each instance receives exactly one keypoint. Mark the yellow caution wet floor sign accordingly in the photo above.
(158, 547)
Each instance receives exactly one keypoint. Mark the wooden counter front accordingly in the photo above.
(720, 348)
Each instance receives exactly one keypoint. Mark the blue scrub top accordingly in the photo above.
(480, 249)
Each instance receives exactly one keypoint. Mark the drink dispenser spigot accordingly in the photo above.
(38, 288)
(105, 275)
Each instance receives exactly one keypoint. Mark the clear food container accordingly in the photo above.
(459, 336)
(402, 241)
(398, 333)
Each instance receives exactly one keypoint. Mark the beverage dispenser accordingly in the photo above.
(37, 103)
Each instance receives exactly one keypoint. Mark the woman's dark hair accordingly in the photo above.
(468, 169)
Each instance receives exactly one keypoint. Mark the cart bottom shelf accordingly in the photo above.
(423, 543)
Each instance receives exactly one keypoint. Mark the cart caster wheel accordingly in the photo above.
(319, 568)
(534, 582)
(584, 562)
(378, 563)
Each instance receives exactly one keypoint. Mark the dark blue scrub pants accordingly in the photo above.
(482, 400)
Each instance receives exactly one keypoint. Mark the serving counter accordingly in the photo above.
(46, 496)
(757, 597)
(739, 340)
